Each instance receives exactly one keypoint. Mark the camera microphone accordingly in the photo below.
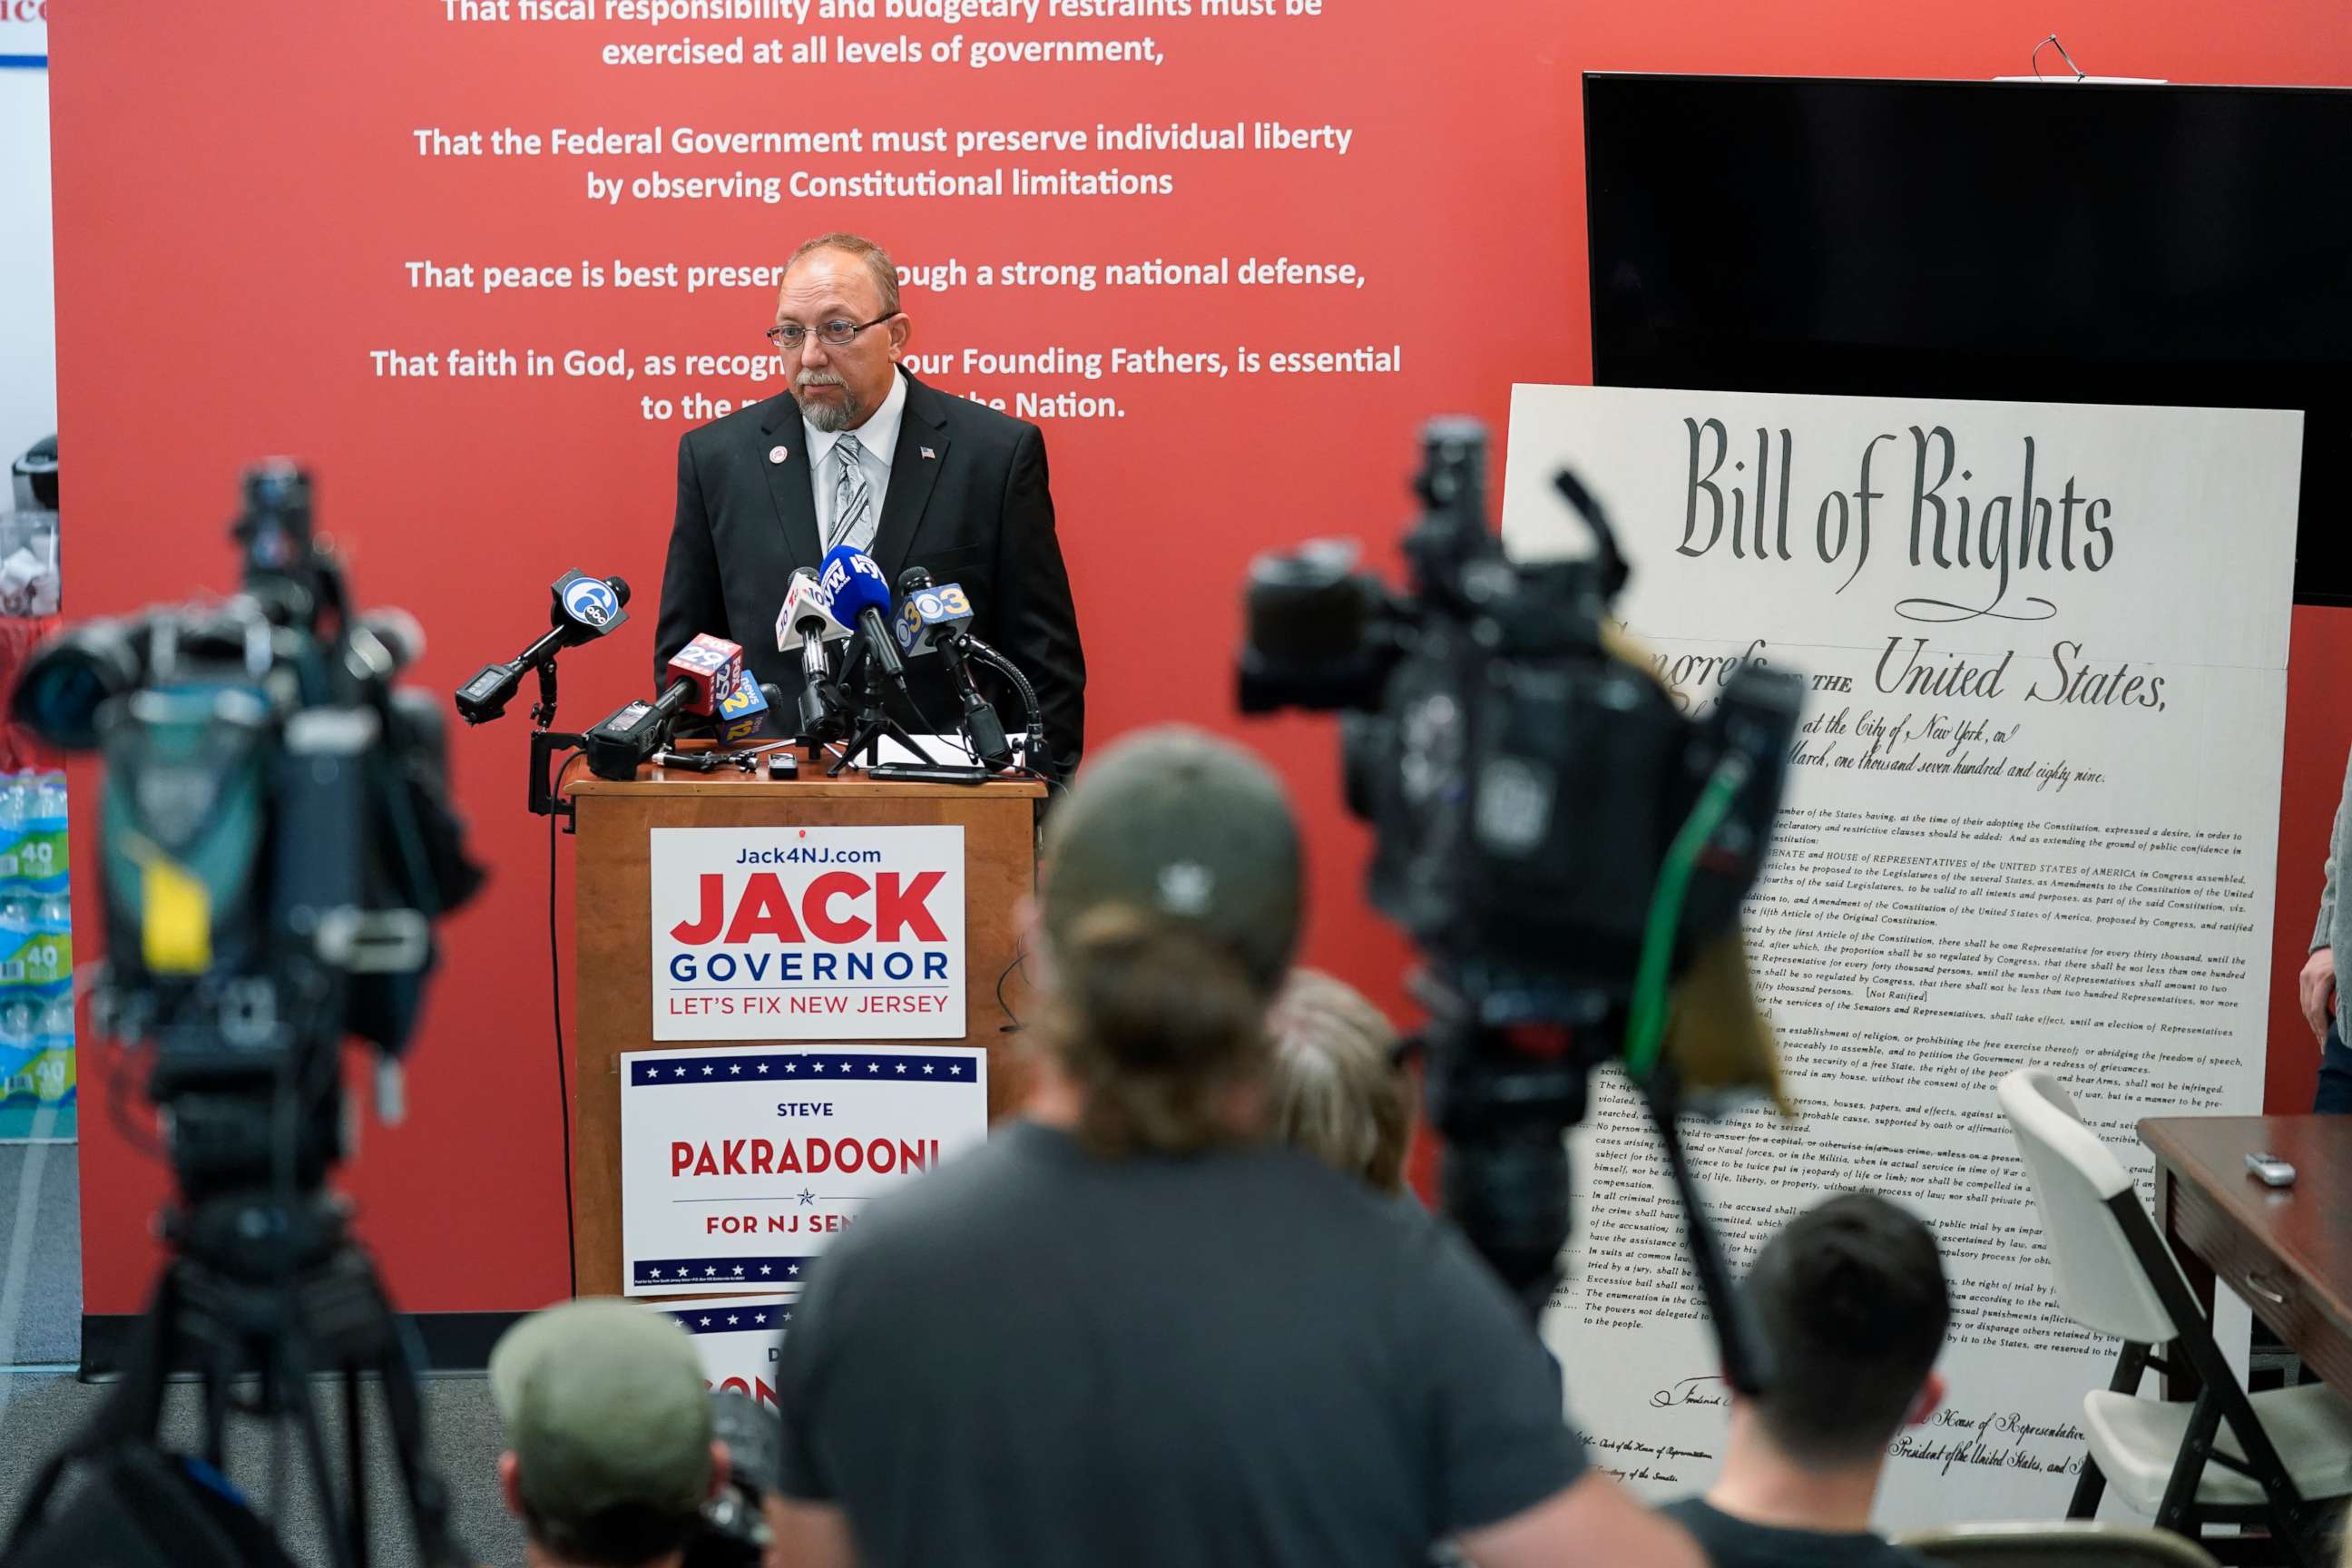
(936, 617)
(705, 674)
(583, 608)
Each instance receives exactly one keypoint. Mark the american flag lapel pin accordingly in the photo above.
(934, 456)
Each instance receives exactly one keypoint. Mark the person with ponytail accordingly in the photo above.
(1135, 1328)
(1338, 1091)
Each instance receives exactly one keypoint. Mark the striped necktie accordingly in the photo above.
(853, 497)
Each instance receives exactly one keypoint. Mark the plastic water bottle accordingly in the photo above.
(37, 1011)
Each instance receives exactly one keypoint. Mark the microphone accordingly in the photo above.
(807, 622)
(745, 710)
(585, 608)
(704, 674)
(933, 617)
(861, 598)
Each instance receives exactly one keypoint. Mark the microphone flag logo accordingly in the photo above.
(591, 602)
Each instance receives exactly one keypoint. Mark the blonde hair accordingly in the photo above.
(1335, 1089)
(1157, 1024)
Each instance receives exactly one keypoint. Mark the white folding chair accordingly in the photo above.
(2076, 1543)
(2216, 1459)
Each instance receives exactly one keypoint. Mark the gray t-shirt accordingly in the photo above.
(1033, 1356)
(1733, 1543)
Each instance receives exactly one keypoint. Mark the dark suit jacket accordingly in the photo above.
(975, 510)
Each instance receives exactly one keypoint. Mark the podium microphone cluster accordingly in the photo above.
(936, 619)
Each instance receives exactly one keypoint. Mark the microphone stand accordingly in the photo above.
(1033, 755)
(874, 720)
(545, 742)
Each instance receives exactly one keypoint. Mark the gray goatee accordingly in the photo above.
(828, 417)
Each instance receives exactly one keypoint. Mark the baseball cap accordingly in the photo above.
(605, 1406)
(1189, 826)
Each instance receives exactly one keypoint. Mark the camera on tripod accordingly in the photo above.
(276, 844)
(277, 836)
(1559, 840)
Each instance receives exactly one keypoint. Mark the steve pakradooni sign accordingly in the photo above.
(739, 1165)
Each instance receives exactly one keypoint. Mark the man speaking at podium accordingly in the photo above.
(855, 451)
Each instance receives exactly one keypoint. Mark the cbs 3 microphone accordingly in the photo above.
(936, 617)
(585, 608)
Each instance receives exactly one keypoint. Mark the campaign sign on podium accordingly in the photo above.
(739, 1165)
(737, 1337)
(796, 933)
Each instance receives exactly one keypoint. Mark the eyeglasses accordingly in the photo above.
(836, 333)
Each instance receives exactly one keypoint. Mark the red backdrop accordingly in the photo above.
(237, 193)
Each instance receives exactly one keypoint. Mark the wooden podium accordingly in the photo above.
(612, 933)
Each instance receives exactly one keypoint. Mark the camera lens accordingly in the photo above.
(1307, 608)
(59, 696)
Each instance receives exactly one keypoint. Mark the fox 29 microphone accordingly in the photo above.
(585, 609)
(936, 617)
(704, 674)
(807, 622)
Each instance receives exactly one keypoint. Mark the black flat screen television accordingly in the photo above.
(2075, 243)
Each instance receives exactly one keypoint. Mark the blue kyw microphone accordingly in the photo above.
(861, 598)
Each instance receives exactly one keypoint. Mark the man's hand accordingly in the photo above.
(2316, 990)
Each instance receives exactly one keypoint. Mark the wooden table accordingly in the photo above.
(2286, 1250)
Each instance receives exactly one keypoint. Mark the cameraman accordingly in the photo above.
(610, 1456)
(1132, 1329)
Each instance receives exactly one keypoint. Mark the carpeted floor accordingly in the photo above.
(40, 1255)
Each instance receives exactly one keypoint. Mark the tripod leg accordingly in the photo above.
(295, 1390)
(355, 1457)
(900, 734)
(214, 1387)
(428, 1499)
(140, 1395)
(277, 1471)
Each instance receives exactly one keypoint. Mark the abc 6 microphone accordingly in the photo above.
(934, 618)
(705, 674)
(585, 608)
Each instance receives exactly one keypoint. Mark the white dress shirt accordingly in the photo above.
(875, 441)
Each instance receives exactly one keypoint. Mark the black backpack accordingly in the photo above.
(141, 1508)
